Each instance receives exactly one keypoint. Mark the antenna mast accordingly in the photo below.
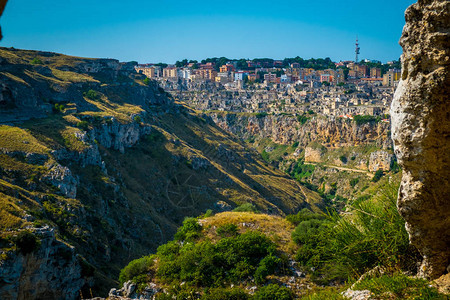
(357, 50)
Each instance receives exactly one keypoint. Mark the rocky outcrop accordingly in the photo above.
(380, 160)
(52, 271)
(62, 178)
(314, 153)
(421, 132)
(286, 129)
(2, 7)
(117, 136)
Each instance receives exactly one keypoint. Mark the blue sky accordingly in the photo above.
(166, 31)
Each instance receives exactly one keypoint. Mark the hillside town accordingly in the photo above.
(344, 89)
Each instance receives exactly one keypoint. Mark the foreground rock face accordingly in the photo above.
(52, 271)
(421, 132)
(2, 7)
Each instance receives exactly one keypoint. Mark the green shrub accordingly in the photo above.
(302, 119)
(227, 230)
(273, 292)
(26, 242)
(401, 286)
(137, 119)
(36, 61)
(91, 94)
(354, 182)
(295, 145)
(208, 213)
(137, 270)
(304, 215)
(268, 265)
(57, 108)
(360, 120)
(189, 231)
(377, 176)
(343, 159)
(146, 81)
(246, 207)
(231, 259)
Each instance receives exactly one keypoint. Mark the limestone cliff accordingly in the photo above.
(421, 132)
(286, 129)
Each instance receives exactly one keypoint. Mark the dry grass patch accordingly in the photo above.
(276, 228)
(71, 141)
(15, 78)
(17, 139)
(72, 76)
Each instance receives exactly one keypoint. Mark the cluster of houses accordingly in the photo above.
(273, 89)
(273, 73)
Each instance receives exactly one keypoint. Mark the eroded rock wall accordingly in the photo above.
(2, 7)
(421, 132)
(285, 129)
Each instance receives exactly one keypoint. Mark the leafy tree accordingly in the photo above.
(378, 175)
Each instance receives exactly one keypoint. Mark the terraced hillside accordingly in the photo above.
(99, 166)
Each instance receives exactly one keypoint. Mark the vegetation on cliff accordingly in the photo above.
(212, 256)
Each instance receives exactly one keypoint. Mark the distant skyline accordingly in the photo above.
(167, 31)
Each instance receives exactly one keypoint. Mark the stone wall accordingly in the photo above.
(421, 132)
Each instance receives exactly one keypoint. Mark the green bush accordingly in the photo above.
(36, 61)
(246, 207)
(304, 215)
(268, 265)
(146, 81)
(137, 270)
(26, 242)
(189, 231)
(273, 292)
(354, 182)
(227, 230)
(300, 171)
(343, 159)
(208, 213)
(137, 119)
(360, 120)
(302, 119)
(57, 108)
(231, 259)
(377, 176)
(91, 94)
(401, 286)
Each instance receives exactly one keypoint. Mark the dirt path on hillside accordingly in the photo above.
(343, 169)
